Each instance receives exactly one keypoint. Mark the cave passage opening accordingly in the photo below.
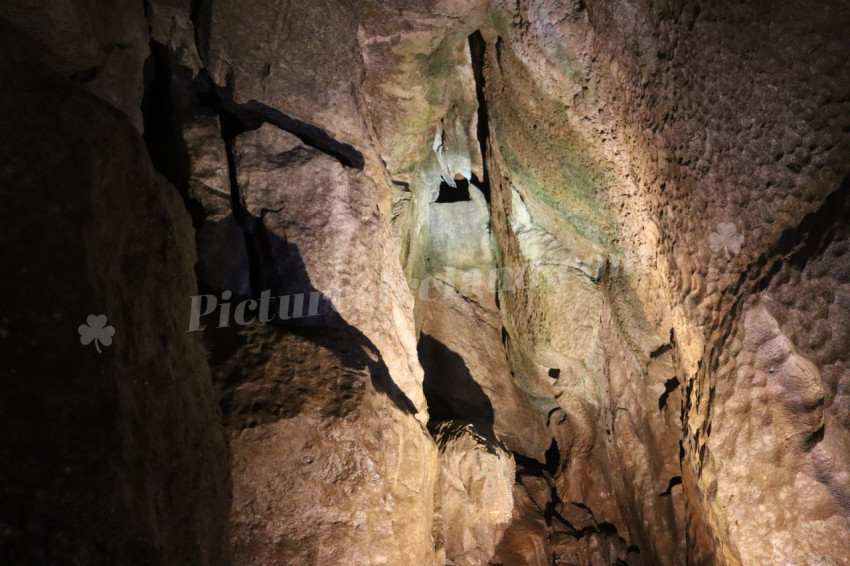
(458, 193)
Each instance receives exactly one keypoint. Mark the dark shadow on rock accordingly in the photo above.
(451, 392)
(278, 372)
(255, 112)
(266, 373)
(477, 50)
(114, 456)
(278, 269)
(275, 266)
(162, 118)
(239, 118)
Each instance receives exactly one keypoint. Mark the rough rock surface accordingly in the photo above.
(467, 373)
(172, 24)
(697, 149)
(326, 468)
(398, 76)
(209, 177)
(102, 50)
(781, 407)
(649, 269)
(320, 227)
(473, 496)
(276, 53)
(526, 541)
(115, 456)
(459, 234)
(223, 263)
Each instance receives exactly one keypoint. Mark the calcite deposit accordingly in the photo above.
(490, 283)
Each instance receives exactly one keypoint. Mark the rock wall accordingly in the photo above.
(544, 282)
(326, 468)
(113, 450)
(708, 146)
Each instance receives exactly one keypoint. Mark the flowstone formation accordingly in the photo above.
(483, 283)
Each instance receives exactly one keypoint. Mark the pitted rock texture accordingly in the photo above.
(695, 148)
(785, 369)
(642, 300)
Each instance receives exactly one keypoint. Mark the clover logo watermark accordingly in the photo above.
(96, 331)
(727, 239)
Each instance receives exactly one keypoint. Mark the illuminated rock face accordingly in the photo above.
(581, 271)
(328, 465)
(728, 193)
(473, 495)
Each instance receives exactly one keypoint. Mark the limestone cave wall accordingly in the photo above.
(495, 282)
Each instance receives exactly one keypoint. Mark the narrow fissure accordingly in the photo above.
(162, 135)
(478, 53)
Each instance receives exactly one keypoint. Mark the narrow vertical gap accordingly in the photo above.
(162, 136)
(201, 16)
(478, 51)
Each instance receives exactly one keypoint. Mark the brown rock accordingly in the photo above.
(526, 541)
(326, 468)
(325, 233)
(473, 497)
(110, 456)
(171, 25)
(223, 263)
(102, 50)
(467, 374)
(665, 192)
(222, 256)
(277, 53)
(209, 179)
